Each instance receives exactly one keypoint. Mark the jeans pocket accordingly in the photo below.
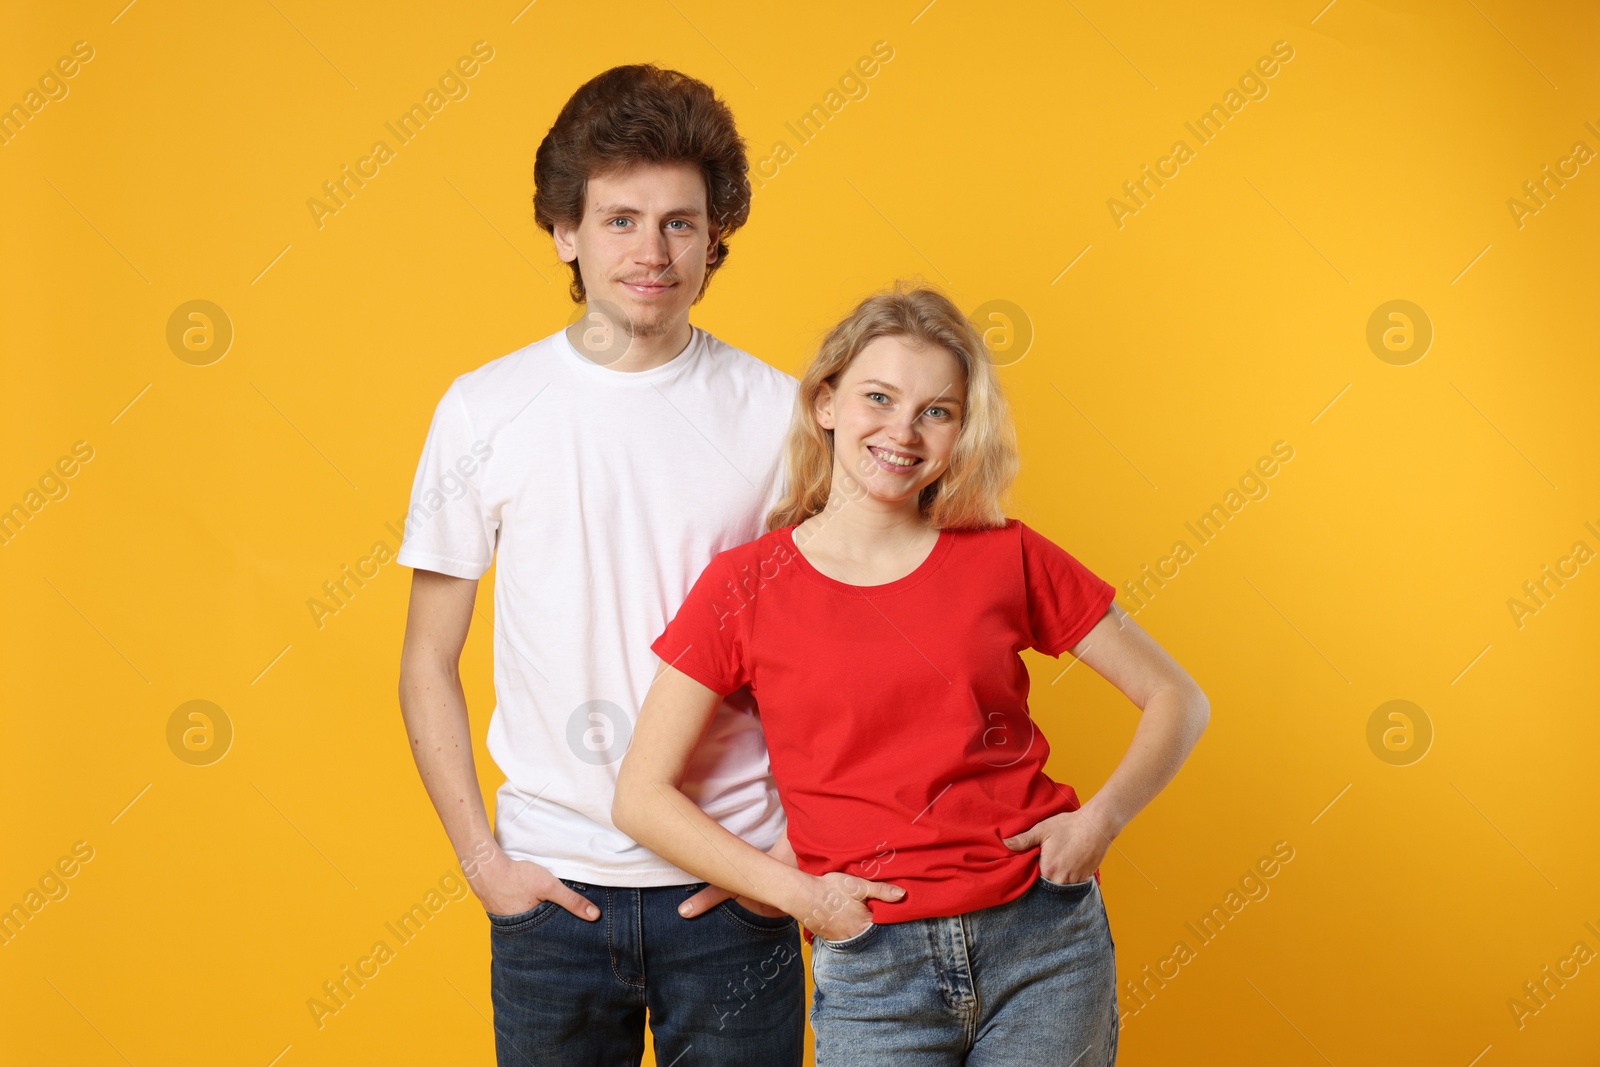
(533, 915)
(1067, 887)
(522, 919)
(742, 916)
(851, 943)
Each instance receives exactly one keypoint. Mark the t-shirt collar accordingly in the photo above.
(666, 371)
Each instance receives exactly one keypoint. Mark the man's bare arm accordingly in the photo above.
(434, 707)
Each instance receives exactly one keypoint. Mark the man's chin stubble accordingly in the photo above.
(655, 326)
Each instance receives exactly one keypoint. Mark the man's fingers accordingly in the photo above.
(703, 901)
(760, 907)
(573, 902)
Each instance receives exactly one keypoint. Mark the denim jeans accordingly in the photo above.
(1029, 982)
(723, 988)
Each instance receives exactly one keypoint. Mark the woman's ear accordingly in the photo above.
(822, 408)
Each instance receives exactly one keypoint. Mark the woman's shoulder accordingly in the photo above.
(1008, 532)
(1013, 540)
(755, 550)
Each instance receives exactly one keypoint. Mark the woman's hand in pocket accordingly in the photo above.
(833, 906)
(1070, 846)
(712, 895)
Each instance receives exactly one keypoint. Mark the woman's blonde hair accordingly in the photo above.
(983, 463)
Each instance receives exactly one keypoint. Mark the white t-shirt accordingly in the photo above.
(605, 493)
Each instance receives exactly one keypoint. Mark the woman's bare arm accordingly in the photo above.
(1173, 714)
(650, 807)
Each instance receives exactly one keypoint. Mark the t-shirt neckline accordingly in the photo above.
(671, 368)
(941, 548)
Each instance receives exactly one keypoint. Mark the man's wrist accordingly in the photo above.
(485, 857)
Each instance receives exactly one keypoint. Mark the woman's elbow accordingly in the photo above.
(626, 806)
(1199, 711)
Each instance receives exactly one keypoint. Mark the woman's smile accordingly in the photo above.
(894, 461)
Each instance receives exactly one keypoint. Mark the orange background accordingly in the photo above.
(1167, 355)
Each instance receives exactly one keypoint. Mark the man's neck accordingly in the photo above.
(639, 353)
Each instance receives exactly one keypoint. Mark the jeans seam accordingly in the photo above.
(611, 941)
(1105, 919)
(976, 1011)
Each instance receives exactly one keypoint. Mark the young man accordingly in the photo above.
(605, 466)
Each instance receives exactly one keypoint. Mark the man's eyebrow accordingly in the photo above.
(624, 209)
(944, 399)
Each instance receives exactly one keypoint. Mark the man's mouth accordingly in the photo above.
(648, 286)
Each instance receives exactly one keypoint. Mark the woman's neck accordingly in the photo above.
(856, 531)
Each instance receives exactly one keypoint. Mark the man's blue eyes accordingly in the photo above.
(683, 224)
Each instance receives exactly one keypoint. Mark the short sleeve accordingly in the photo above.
(447, 527)
(1065, 598)
(706, 638)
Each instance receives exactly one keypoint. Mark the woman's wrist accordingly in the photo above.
(797, 892)
(1103, 815)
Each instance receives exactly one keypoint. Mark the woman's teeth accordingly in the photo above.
(890, 457)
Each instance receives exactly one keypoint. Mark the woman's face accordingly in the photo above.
(894, 416)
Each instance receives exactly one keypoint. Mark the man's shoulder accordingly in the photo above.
(497, 372)
(496, 389)
(748, 369)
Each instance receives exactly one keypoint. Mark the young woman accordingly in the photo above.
(951, 886)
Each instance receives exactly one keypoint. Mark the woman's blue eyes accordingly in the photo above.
(886, 397)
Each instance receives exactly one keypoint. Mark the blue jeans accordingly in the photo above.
(1029, 982)
(724, 988)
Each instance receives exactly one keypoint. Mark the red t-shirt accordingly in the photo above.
(896, 715)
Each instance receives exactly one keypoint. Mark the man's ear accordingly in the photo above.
(823, 407)
(566, 245)
(715, 234)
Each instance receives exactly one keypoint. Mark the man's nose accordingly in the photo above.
(652, 249)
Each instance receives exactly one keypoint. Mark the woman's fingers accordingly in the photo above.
(883, 891)
(1032, 837)
(860, 889)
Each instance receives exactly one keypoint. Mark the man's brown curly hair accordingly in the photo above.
(641, 114)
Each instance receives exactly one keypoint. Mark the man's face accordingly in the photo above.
(894, 417)
(643, 245)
